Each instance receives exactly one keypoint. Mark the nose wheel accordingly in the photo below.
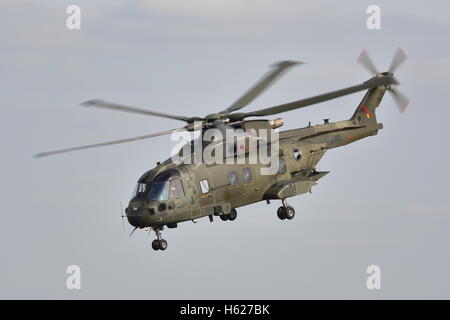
(159, 243)
(285, 211)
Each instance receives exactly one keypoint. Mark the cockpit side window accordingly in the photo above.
(139, 190)
(176, 188)
(159, 191)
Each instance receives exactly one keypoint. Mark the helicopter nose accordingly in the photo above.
(135, 216)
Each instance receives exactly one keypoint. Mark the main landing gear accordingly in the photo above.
(285, 211)
(159, 243)
(230, 216)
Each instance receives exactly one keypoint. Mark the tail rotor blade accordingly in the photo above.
(400, 99)
(366, 62)
(397, 60)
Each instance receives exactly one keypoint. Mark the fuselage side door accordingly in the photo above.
(204, 186)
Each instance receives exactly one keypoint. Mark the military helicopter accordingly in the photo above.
(175, 191)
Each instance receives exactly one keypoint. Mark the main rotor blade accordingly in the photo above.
(366, 62)
(374, 82)
(120, 107)
(397, 60)
(49, 153)
(400, 99)
(264, 83)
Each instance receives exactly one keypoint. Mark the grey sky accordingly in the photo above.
(385, 201)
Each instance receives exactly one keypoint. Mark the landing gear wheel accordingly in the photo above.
(232, 215)
(155, 244)
(289, 212)
(224, 217)
(281, 213)
(162, 244)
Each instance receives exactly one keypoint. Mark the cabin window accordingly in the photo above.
(176, 189)
(233, 178)
(204, 185)
(247, 175)
(282, 166)
(297, 154)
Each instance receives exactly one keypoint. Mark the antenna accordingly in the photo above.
(133, 231)
(122, 216)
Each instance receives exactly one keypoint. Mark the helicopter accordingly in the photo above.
(178, 190)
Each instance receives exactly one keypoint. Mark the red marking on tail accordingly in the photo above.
(405, 107)
(362, 54)
(368, 114)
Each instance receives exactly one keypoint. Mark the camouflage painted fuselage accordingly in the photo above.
(301, 149)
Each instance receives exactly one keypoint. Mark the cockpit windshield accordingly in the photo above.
(166, 185)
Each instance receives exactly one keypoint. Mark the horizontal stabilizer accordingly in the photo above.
(316, 175)
(286, 189)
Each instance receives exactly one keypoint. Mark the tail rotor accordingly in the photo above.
(399, 98)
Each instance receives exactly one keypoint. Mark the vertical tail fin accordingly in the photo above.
(365, 113)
